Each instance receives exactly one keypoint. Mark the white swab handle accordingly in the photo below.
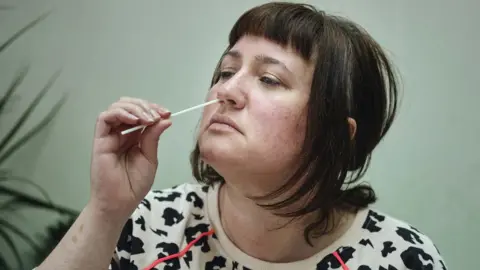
(173, 114)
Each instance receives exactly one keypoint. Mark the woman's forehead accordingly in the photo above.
(255, 48)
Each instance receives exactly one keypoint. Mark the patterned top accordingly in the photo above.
(168, 220)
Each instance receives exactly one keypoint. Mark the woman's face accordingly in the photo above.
(258, 126)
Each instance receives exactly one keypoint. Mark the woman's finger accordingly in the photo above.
(164, 113)
(114, 118)
(142, 103)
(136, 110)
(150, 138)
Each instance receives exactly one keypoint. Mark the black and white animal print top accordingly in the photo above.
(170, 221)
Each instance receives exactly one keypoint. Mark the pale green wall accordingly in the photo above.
(425, 172)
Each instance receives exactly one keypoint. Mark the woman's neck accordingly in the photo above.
(263, 235)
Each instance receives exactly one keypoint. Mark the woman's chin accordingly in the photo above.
(219, 152)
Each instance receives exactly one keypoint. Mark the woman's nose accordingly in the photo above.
(232, 94)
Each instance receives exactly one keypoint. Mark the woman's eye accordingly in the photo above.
(224, 75)
(266, 80)
(270, 81)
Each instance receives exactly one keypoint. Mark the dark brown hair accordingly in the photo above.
(352, 78)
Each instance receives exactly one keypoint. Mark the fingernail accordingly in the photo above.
(155, 114)
(164, 110)
(149, 118)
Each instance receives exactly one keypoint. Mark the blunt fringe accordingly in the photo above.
(352, 78)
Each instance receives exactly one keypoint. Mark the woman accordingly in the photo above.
(305, 98)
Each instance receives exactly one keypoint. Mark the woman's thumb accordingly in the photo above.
(150, 138)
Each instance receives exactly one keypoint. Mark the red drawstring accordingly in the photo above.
(181, 253)
(185, 250)
(344, 266)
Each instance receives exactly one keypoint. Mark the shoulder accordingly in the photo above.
(392, 236)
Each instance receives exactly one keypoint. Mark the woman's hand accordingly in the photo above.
(123, 167)
(122, 172)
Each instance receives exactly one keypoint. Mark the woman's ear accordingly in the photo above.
(352, 125)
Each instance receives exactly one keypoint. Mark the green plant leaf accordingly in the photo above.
(3, 263)
(11, 244)
(11, 89)
(50, 238)
(5, 225)
(21, 121)
(37, 203)
(4, 173)
(27, 181)
(22, 31)
(34, 131)
(8, 204)
(9, 144)
(15, 203)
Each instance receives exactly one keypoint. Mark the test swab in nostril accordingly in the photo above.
(173, 114)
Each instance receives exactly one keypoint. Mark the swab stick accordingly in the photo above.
(173, 114)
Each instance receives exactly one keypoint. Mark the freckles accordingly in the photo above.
(284, 131)
(293, 131)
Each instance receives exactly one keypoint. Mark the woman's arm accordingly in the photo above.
(88, 244)
(123, 169)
